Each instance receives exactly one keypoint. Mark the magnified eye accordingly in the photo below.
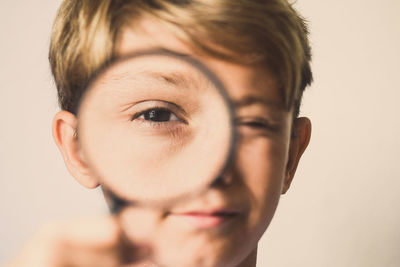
(157, 115)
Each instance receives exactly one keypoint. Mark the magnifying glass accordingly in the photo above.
(156, 128)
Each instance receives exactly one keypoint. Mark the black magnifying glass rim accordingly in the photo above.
(116, 203)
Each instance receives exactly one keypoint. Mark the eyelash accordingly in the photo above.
(157, 123)
(254, 123)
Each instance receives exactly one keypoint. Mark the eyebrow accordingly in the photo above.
(178, 78)
(186, 79)
(250, 100)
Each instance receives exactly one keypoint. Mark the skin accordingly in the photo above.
(262, 170)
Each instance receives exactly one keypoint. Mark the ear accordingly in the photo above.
(64, 133)
(299, 141)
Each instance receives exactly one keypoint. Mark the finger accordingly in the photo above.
(99, 242)
(94, 242)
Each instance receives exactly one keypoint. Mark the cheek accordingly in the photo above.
(262, 162)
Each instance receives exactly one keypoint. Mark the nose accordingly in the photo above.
(225, 179)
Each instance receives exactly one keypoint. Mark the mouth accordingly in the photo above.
(206, 219)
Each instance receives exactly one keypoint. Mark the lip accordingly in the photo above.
(206, 219)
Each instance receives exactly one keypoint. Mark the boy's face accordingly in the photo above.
(200, 232)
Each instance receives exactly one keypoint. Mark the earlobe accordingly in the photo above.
(64, 133)
(298, 144)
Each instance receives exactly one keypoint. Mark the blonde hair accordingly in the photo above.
(267, 33)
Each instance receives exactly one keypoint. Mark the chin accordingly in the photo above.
(206, 249)
(206, 258)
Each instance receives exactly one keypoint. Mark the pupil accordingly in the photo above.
(158, 115)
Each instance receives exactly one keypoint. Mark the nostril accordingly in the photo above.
(223, 180)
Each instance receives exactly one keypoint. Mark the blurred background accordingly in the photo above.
(344, 205)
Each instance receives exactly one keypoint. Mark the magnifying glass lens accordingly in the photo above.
(155, 127)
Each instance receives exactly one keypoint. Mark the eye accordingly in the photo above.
(256, 124)
(159, 115)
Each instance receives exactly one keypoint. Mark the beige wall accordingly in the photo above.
(343, 208)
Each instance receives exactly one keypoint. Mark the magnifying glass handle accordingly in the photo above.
(130, 253)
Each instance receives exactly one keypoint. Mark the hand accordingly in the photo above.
(98, 242)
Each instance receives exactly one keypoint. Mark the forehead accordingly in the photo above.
(245, 83)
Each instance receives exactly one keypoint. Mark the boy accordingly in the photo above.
(259, 50)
